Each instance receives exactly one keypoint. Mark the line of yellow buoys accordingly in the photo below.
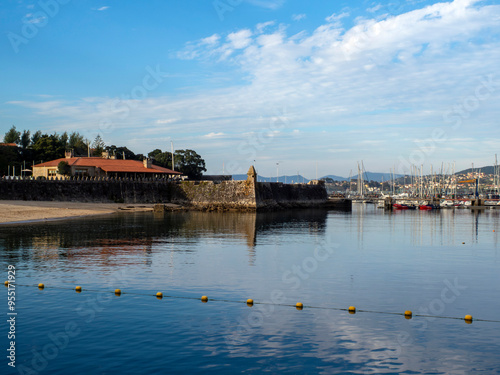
(250, 302)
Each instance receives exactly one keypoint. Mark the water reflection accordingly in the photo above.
(121, 239)
(437, 227)
(384, 261)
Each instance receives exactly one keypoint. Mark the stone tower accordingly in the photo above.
(252, 175)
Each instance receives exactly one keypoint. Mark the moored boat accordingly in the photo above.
(447, 203)
(425, 207)
(398, 206)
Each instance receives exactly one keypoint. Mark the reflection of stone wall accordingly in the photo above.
(200, 194)
(120, 240)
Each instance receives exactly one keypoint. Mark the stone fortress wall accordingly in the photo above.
(245, 195)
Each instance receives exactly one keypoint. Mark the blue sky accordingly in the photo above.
(302, 84)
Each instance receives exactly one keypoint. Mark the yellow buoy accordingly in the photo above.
(6, 283)
(468, 319)
(204, 299)
(299, 306)
(408, 314)
(352, 310)
(41, 286)
(118, 292)
(249, 302)
(78, 289)
(159, 295)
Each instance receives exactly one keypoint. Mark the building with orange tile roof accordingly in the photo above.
(103, 167)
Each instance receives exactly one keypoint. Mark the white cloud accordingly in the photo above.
(102, 8)
(240, 39)
(213, 135)
(362, 88)
(167, 121)
(298, 17)
(260, 27)
(335, 18)
(210, 46)
(338, 150)
(374, 8)
(211, 40)
(30, 18)
(269, 4)
(194, 50)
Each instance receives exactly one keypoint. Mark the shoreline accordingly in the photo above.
(27, 212)
(18, 212)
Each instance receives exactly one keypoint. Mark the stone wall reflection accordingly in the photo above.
(126, 239)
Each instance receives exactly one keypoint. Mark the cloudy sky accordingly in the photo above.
(316, 84)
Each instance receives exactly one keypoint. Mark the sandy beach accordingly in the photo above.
(29, 211)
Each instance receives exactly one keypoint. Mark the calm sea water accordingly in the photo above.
(443, 263)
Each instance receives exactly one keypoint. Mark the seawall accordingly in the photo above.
(207, 195)
(272, 195)
(91, 190)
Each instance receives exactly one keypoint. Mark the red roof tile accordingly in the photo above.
(109, 165)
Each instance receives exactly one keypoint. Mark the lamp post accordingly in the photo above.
(172, 149)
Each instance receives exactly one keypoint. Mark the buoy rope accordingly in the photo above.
(352, 310)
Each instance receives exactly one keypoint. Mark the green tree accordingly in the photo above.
(120, 151)
(9, 156)
(153, 153)
(36, 136)
(26, 151)
(76, 142)
(189, 163)
(48, 147)
(98, 146)
(25, 139)
(12, 136)
(163, 159)
(63, 138)
(63, 168)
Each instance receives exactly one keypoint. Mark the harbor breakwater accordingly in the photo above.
(206, 195)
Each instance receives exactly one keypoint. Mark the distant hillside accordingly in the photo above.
(378, 177)
(487, 170)
(335, 178)
(241, 177)
(370, 176)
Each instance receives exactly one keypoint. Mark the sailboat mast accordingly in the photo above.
(495, 175)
